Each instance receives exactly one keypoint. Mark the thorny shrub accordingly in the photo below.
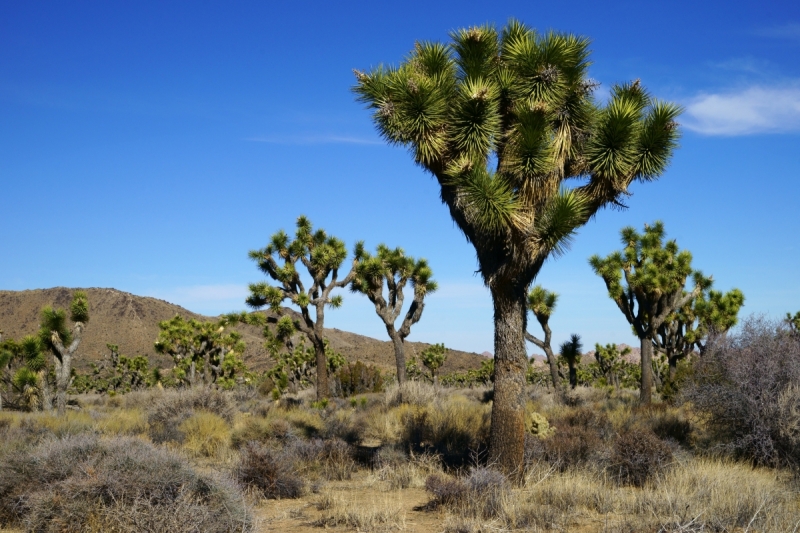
(744, 385)
(86, 483)
(271, 473)
(638, 455)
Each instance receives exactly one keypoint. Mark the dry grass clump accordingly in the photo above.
(205, 434)
(713, 495)
(455, 428)
(372, 516)
(124, 422)
(71, 423)
(412, 392)
(272, 474)
(85, 483)
(480, 494)
(168, 409)
(399, 471)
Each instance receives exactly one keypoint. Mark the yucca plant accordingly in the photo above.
(393, 269)
(571, 352)
(542, 303)
(646, 280)
(523, 155)
(322, 256)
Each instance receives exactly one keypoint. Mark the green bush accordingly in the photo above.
(358, 378)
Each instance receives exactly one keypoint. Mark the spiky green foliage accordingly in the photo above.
(704, 318)
(322, 256)
(383, 278)
(22, 367)
(202, 348)
(793, 322)
(646, 280)
(507, 124)
(570, 351)
(542, 303)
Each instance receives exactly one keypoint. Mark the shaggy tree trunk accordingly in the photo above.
(322, 368)
(47, 396)
(399, 355)
(646, 391)
(63, 370)
(507, 438)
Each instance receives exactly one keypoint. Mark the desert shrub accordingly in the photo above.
(169, 409)
(272, 474)
(739, 384)
(481, 493)
(580, 435)
(205, 434)
(85, 483)
(358, 378)
(336, 459)
(670, 425)
(638, 455)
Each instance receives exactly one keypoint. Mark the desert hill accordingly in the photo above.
(131, 322)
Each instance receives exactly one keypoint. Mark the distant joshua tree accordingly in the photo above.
(393, 270)
(571, 352)
(322, 256)
(62, 342)
(542, 303)
(654, 275)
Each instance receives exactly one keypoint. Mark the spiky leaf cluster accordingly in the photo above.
(433, 357)
(542, 303)
(647, 277)
(571, 349)
(215, 353)
(320, 254)
(503, 120)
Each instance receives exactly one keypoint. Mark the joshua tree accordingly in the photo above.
(395, 269)
(654, 277)
(193, 344)
(542, 303)
(433, 357)
(793, 321)
(609, 362)
(322, 256)
(571, 352)
(503, 121)
(696, 324)
(62, 342)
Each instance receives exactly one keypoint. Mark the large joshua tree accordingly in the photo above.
(62, 342)
(322, 256)
(394, 270)
(542, 303)
(504, 121)
(646, 280)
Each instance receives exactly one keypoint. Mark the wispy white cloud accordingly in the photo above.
(746, 64)
(748, 111)
(313, 139)
(206, 299)
(790, 31)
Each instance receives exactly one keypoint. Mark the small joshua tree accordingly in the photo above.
(654, 277)
(322, 256)
(62, 342)
(193, 344)
(700, 321)
(610, 363)
(394, 270)
(571, 352)
(433, 357)
(542, 303)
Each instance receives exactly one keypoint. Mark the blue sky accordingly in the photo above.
(148, 146)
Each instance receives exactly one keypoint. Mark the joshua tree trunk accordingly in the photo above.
(552, 363)
(646, 391)
(323, 391)
(47, 394)
(573, 375)
(507, 438)
(399, 354)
